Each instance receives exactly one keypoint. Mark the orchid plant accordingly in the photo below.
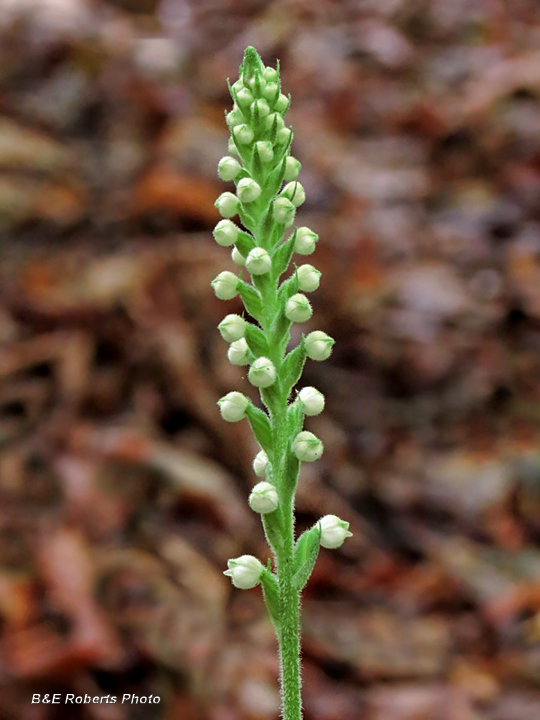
(266, 198)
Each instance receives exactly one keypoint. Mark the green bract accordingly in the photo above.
(266, 199)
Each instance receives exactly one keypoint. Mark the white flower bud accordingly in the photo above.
(319, 345)
(228, 168)
(270, 91)
(237, 257)
(274, 118)
(244, 98)
(225, 233)
(233, 406)
(270, 74)
(262, 107)
(232, 327)
(265, 150)
(309, 278)
(282, 103)
(307, 446)
(225, 285)
(334, 531)
(298, 308)
(295, 192)
(227, 204)
(238, 352)
(235, 117)
(232, 147)
(263, 498)
(305, 241)
(283, 136)
(292, 168)
(261, 464)
(253, 83)
(258, 261)
(248, 190)
(262, 373)
(242, 134)
(283, 211)
(244, 571)
(312, 401)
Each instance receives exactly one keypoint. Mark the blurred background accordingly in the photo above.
(123, 493)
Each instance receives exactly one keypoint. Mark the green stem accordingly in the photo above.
(289, 643)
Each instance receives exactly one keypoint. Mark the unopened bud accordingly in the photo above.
(305, 241)
(225, 285)
(307, 447)
(334, 531)
(258, 261)
(233, 406)
(312, 401)
(284, 136)
(244, 571)
(274, 118)
(242, 134)
(248, 190)
(261, 464)
(225, 233)
(309, 278)
(271, 91)
(238, 352)
(270, 74)
(244, 98)
(232, 147)
(298, 308)
(237, 257)
(227, 204)
(283, 211)
(263, 498)
(294, 191)
(282, 103)
(260, 106)
(292, 168)
(319, 345)
(235, 117)
(262, 373)
(265, 151)
(228, 168)
(232, 327)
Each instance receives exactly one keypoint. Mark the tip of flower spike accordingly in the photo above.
(252, 63)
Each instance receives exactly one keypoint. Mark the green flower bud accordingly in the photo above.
(245, 572)
(262, 107)
(305, 241)
(242, 134)
(270, 74)
(233, 406)
(309, 278)
(319, 345)
(244, 98)
(271, 91)
(263, 498)
(227, 204)
(274, 118)
(228, 168)
(248, 190)
(225, 285)
(232, 147)
(265, 151)
(282, 104)
(258, 261)
(294, 191)
(238, 352)
(298, 308)
(232, 327)
(237, 257)
(284, 136)
(238, 85)
(235, 117)
(312, 401)
(307, 447)
(292, 168)
(225, 233)
(283, 211)
(261, 464)
(334, 531)
(262, 373)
